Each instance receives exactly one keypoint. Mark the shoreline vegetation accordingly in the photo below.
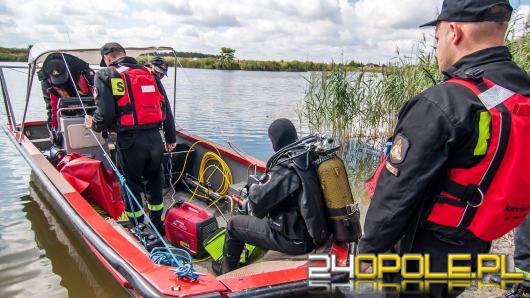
(359, 109)
(223, 61)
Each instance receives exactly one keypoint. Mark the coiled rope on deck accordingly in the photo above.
(182, 262)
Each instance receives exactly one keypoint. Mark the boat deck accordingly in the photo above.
(268, 261)
(264, 263)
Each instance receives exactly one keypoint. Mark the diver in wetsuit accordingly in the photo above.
(287, 206)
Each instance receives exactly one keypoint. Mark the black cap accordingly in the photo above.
(108, 48)
(159, 65)
(57, 71)
(282, 133)
(470, 11)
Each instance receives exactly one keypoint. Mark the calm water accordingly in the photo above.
(38, 254)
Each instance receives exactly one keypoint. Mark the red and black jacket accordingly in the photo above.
(441, 127)
(83, 78)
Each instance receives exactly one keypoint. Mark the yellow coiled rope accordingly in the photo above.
(219, 165)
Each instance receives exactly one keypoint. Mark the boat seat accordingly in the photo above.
(76, 137)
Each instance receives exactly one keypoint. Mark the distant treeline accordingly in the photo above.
(13, 54)
(257, 65)
(209, 61)
(262, 65)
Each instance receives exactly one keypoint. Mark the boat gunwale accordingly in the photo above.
(230, 285)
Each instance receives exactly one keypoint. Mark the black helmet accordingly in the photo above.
(159, 64)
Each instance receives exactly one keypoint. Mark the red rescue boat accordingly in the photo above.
(272, 274)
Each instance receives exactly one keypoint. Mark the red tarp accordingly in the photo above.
(93, 181)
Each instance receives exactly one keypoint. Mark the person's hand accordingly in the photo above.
(170, 147)
(243, 209)
(88, 121)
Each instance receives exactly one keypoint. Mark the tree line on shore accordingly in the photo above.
(225, 60)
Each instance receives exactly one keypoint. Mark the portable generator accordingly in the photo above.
(187, 226)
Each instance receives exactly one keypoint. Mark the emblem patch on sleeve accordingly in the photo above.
(393, 170)
(399, 149)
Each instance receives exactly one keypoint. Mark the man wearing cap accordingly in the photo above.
(442, 132)
(158, 67)
(56, 83)
(133, 102)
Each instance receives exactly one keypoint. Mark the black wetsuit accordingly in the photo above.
(277, 223)
(440, 127)
(287, 204)
(139, 150)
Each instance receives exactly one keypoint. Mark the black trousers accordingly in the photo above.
(438, 246)
(522, 249)
(243, 229)
(139, 155)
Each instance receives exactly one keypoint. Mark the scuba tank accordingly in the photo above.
(341, 210)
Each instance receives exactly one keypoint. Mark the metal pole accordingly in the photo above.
(7, 101)
(175, 85)
(31, 75)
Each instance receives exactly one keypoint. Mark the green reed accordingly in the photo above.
(359, 109)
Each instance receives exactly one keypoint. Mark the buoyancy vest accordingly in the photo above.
(492, 197)
(311, 201)
(139, 100)
(56, 92)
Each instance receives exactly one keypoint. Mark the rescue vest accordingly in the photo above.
(57, 92)
(140, 102)
(492, 197)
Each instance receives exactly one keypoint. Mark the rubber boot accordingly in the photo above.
(227, 264)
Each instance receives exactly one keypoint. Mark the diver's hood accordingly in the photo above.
(282, 133)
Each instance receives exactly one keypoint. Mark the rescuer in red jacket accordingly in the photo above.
(456, 176)
(133, 102)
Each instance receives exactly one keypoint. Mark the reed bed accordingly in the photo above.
(359, 109)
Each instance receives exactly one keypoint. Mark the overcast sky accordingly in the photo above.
(318, 30)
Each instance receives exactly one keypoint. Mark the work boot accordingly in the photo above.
(226, 264)
(161, 228)
(517, 291)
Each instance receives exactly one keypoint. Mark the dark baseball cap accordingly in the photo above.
(108, 48)
(471, 11)
(57, 71)
(160, 65)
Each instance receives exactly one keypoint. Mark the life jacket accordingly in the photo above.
(57, 92)
(492, 197)
(140, 102)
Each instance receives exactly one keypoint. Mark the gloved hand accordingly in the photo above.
(244, 208)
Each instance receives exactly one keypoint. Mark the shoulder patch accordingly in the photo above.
(399, 149)
(393, 170)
